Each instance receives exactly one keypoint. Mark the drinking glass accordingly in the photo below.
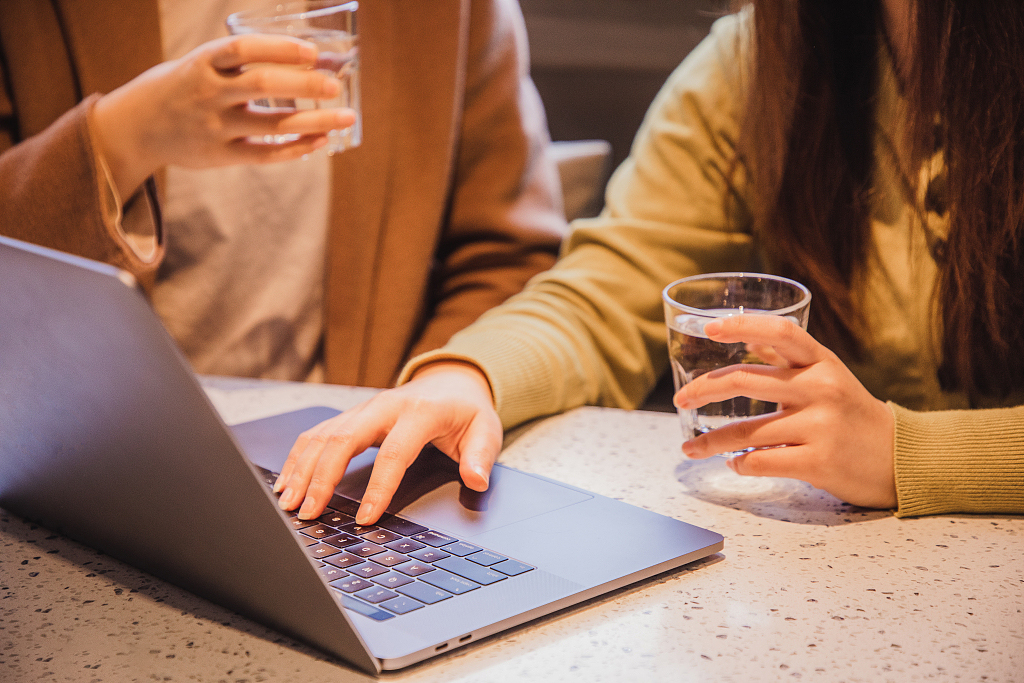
(693, 302)
(332, 28)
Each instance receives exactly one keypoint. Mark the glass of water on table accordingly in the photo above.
(693, 302)
(329, 25)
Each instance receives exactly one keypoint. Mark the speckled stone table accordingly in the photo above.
(807, 588)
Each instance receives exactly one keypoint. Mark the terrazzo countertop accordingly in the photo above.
(806, 588)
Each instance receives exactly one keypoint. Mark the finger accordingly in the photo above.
(790, 341)
(397, 451)
(792, 462)
(760, 382)
(767, 354)
(232, 53)
(241, 122)
(320, 455)
(766, 431)
(479, 452)
(275, 82)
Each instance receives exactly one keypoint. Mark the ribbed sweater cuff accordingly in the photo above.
(959, 461)
(521, 382)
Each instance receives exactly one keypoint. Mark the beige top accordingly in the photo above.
(448, 207)
(241, 287)
(591, 331)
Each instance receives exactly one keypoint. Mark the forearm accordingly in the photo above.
(569, 340)
(959, 461)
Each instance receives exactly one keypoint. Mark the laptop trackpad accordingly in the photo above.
(433, 495)
(431, 492)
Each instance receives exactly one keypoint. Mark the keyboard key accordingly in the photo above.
(461, 548)
(331, 573)
(349, 507)
(368, 610)
(381, 536)
(433, 538)
(301, 523)
(351, 584)
(399, 525)
(414, 568)
(470, 570)
(486, 558)
(400, 605)
(306, 541)
(358, 529)
(367, 570)
(375, 595)
(392, 580)
(423, 592)
(343, 540)
(344, 560)
(319, 551)
(334, 518)
(429, 555)
(390, 559)
(512, 568)
(404, 545)
(449, 582)
(365, 549)
(319, 531)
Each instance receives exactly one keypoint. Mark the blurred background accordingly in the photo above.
(599, 63)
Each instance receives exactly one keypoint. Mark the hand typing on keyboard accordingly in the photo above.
(395, 564)
(447, 404)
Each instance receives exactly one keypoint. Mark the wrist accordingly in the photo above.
(118, 144)
(469, 372)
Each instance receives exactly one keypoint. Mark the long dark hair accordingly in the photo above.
(808, 136)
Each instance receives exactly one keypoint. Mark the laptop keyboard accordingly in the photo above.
(395, 566)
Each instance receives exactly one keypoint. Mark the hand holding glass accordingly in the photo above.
(691, 303)
(332, 28)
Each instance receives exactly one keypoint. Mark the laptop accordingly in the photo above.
(109, 439)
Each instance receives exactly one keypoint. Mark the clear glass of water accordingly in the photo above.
(693, 302)
(332, 28)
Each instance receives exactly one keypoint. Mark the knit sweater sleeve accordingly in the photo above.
(959, 461)
(591, 330)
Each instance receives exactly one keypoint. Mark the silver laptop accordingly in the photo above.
(109, 439)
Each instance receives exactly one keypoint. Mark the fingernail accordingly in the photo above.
(482, 473)
(287, 499)
(331, 87)
(731, 464)
(688, 450)
(308, 506)
(366, 513)
(279, 485)
(713, 327)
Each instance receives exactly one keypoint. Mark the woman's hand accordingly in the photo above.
(829, 431)
(193, 111)
(447, 404)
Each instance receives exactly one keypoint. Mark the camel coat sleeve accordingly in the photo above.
(54, 189)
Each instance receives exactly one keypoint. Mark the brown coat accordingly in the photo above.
(446, 209)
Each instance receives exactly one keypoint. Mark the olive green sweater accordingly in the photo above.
(591, 330)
